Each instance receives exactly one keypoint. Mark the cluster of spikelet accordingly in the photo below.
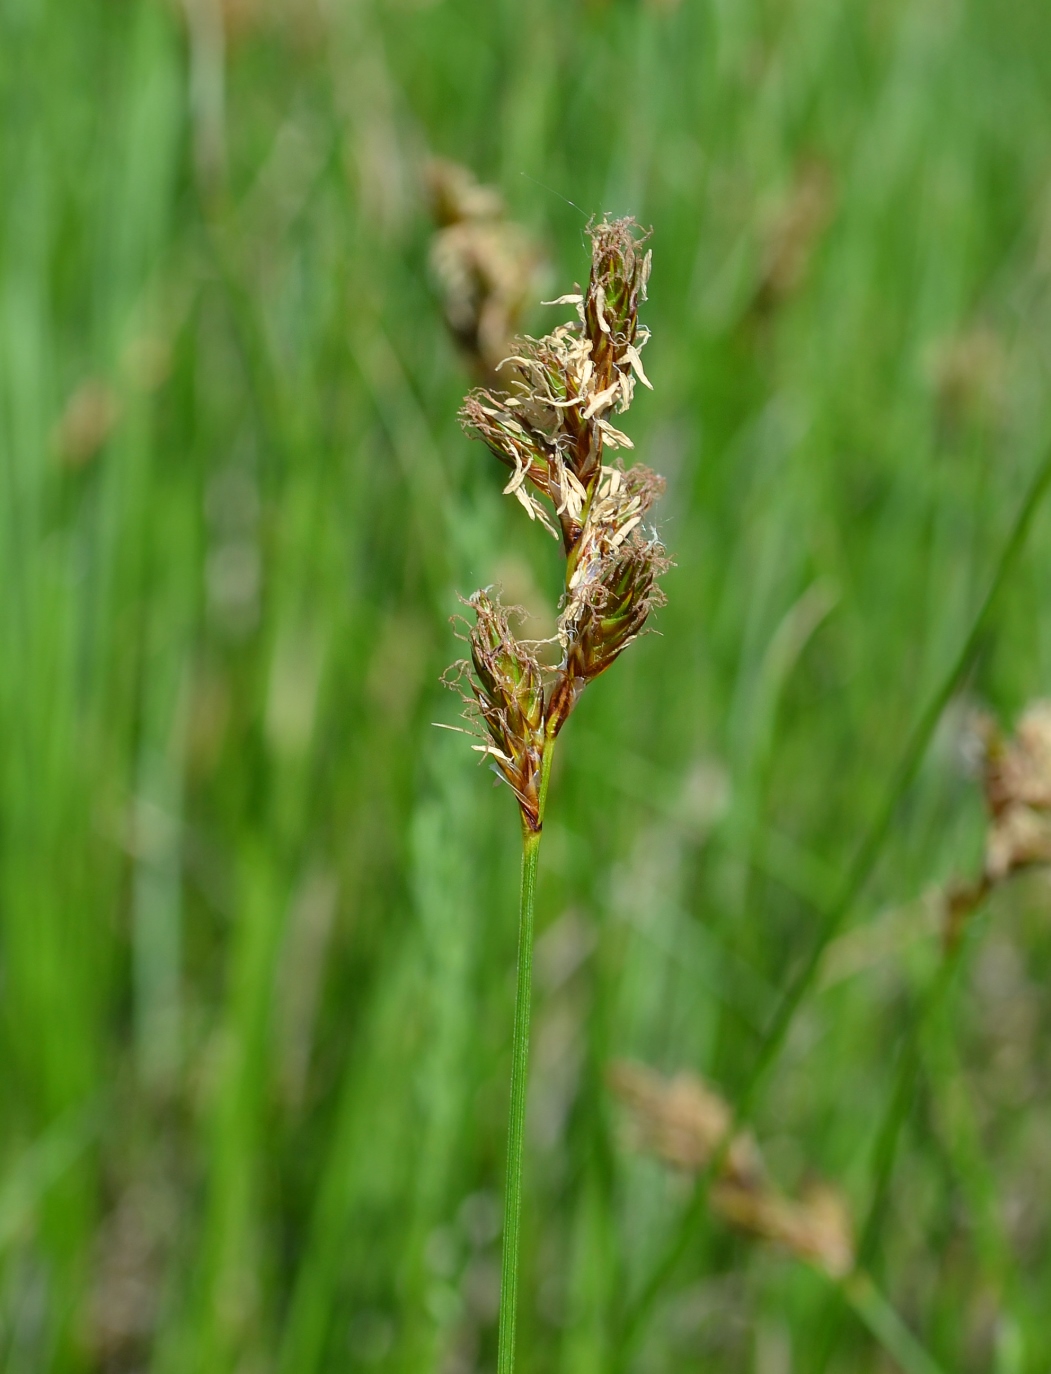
(552, 428)
(1016, 777)
(685, 1123)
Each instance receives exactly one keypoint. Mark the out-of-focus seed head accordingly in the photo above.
(483, 264)
(1017, 778)
(684, 1122)
(816, 1227)
(1018, 770)
(792, 234)
(87, 421)
(508, 690)
(456, 194)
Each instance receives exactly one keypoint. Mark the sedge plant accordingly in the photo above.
(552, 428)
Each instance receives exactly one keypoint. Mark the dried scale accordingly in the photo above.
(552, 428)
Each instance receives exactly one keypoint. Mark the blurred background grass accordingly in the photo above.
(257, 917)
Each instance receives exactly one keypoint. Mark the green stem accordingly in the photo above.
(899, 1105)
(888, 1328)
(505, 1362)
(895, 1115)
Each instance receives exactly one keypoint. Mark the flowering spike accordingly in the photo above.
(550, 428)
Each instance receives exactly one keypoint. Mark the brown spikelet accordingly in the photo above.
(508, 691)
(612, 587)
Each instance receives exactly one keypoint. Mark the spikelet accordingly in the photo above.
(551, 428)
(562, 389)
(510, 694)
(612, 585)
(684, 1122)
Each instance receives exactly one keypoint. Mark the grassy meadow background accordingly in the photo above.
(257, 916)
